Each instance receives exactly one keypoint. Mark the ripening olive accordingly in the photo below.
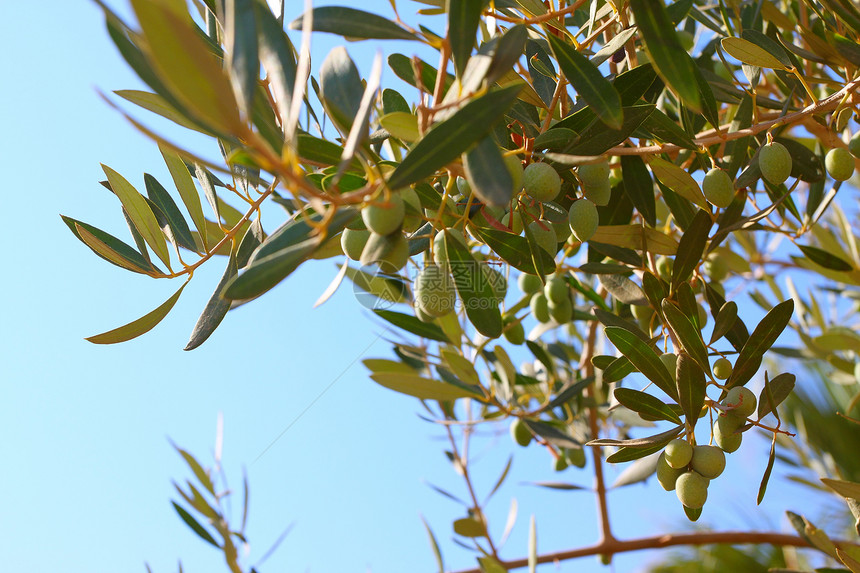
(544, 235)
(774, 161)
(709, 461)
(529, 284)
(718, 188)
(540, 307)
(741, 402)
(556, 290)
(678, 453)
(722, 368)
(561, 312)
(728, 441)
(839, 164)
(593, 174)
(666, 474)
(598, 194)
(352, 242)
(541, 182)
(385, 217)
(583, 219)
(520, 433)
(692, 489)
(670, 361)
(434, 291)
(514, 332)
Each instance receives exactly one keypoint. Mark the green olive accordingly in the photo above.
(740, 401)
(718, 188)
(544, 235)
(352, 242)
(709, 461)
(678, 453)
(434, 291)
(384, 217)
(726, 439)
(666, 474)
(839, 164)
(692, 490)
(583, 219)
(540, 307)
(520, 433)
(774, 161)
(529, 284)
(722, 368)
(541, 182)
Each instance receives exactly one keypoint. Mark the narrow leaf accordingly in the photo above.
(589, 83)
(140, 214)
(109, 247)
(474, 288)
(140, 326)
(690, 248)
(751, 54)
(185, 185)
(644, 403)
(643, 358)
(194, 525)
(639, 187)
(412, 324)
(678, 180)
(240, 39)
(448, 139)
(486, 172)
(724, 320)
(691, 387)
(826, 259)
(766, 477)
(421, 387)
(514, 250)
(759, 342)
(687, 333)
(276, 53)
(673, 64)
(779, 388)
(175, 221)
(464, 16)
(263, 273)
(354, 24)
(215, 310)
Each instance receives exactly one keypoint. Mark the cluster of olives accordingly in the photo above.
(688, 469)
(550, 301)
(775, 163)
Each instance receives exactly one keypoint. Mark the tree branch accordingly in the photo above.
(661, 541)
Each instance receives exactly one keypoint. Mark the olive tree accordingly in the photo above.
(600, 190)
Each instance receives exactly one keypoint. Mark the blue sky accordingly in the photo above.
(85, 429)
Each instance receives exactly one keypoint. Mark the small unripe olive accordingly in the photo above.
(434, 291)
(718, 188)
(390, 252)
(515, 168)
(541, 182)
(440, 255)
(641, 313)
(544, 235)
(741, 401)
(556, 290)
(687, 39)
(514, 332)
(540, 307)
(692, 489)
(593, 174)
(664, 267)
(598, 194)
(727, 441)
(854, 145)
(722, 368)
(716, 267)
(513, 222)
(670, 361)
(709, 461)
(529, 284)
(520, 433)
(583, 219)
(678, 453)
(839, 164)
(561, 312)
(352, 241)
(384, 217)
(464, 187)
(666, 474)
(575, 456)
(774, 161)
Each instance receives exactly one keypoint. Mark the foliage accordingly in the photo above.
(627, 105)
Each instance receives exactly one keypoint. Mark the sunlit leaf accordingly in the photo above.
(355, 24)
(140, 326)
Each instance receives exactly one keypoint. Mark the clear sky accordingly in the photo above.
(85, 429)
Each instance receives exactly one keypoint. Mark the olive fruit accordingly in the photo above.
(515, 168)
(513, 222)
(666, 474)
(434, 291)
(352, 242)
(599, 194)
(440, 255)
(709, 461)
(514, 332)
(839, 164)
(583, 219)
(520, 432)
(670, 361)
(529, 284)
(390, 252)
(544, 235)
(774, 161)
(854, 145)
(556, 290)
(740, 401)
(692, 489)
(464, 187)
(725, 436)
(385, 217)
(716, 267)
(664, 267)
(593, 174)
(678, 453)
(722, 368)
(540, 307)
(718, 188)
(561, 312)
(541, 182)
